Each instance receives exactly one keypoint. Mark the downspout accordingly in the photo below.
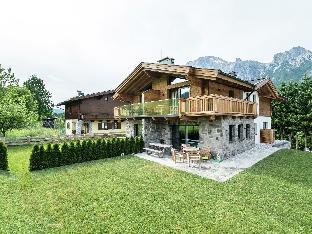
(249, 94)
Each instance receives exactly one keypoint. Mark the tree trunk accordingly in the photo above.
(296, 140)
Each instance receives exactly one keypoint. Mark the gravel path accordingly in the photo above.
(222, 171)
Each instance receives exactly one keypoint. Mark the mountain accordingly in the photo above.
(57, 110)
(286, 66)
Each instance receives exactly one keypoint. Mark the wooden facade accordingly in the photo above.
(155, 82)
(97, 106)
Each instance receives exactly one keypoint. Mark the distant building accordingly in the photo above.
(49, 122)
(92, 114)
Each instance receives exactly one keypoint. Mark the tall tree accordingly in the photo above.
(17, 108)
(41, 95)
(294, 115)
(7, 78)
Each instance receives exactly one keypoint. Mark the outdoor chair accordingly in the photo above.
(177, 155)
(205, 153)
(194, 156)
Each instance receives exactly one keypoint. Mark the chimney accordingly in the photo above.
(166, 60)
(233, 73)
(80, 93)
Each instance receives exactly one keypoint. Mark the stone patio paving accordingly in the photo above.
(226, 169)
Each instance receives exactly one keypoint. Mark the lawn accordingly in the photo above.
(128, 194)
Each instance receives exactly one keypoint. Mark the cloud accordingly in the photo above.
(93, 45)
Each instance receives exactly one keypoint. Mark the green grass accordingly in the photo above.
(128, 194)
(35, 130)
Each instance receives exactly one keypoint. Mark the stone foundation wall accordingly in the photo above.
(151, 131)
(216, 135)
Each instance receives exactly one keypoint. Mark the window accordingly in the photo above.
(68, 125)
(248, 131)
(231, 133)
(117, 125)
(102, 126)
(254, 98)
(231, 93)
(265, 125)
(240, 132)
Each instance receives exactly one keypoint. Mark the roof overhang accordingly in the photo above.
(267, 85)
(144, 74)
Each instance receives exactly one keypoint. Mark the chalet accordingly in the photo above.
(92, 114)
(263, 93)
(176, 105)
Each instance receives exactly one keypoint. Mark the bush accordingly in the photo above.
(81, 151)
(35, 159)
(3, 157)
(66, 154)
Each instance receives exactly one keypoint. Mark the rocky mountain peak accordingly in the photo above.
(287, 65)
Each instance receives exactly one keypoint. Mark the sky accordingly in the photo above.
(93, 45)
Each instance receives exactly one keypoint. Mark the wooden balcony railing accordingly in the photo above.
(194, 106)
(216, 105)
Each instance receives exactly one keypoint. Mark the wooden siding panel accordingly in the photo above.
(265, 107)
(152, 95)
(96, 106)
(196, 86)
(161, 84)
(221, 89)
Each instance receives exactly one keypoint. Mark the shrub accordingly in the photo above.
(141, 144)
(47, 161)
(81, 151)
(78, 152)
(3, 157)
(56, 159)
(72, 155)
(126, 146)
(41, 157)
(132, 145)
(35, 160)
(66, 154)
(108, 152)
(103, 149)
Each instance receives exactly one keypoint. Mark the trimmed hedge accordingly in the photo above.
(81, 151)
(3, 157)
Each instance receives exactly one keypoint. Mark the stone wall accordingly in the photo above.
(215, 134)
(151, 131)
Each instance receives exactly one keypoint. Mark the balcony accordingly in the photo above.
(161, 108)
(216, 105)
(195, 106)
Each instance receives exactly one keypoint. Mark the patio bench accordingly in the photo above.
(158, 153)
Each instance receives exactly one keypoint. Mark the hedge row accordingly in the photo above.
(80, 151)
(3, 157)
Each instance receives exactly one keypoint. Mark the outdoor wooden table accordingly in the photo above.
(166, 148)
(190, 149)
(158, 145)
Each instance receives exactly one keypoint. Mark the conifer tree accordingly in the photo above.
(34, 162)
(3, 157)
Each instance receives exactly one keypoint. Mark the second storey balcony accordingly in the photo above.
(208, 105)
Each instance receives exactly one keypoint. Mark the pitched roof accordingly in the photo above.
(260, 83)
(76, 98)
(140, 77)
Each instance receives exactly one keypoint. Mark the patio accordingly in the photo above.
(226, 169)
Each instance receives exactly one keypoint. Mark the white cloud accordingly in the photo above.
(93, 45)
